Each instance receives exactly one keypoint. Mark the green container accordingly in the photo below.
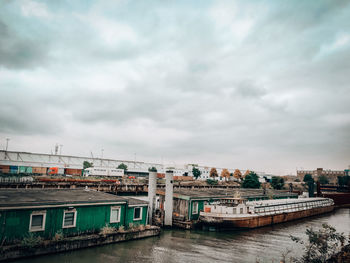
(29, 170)
(22, 169)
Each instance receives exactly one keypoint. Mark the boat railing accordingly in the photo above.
(269, 209)
(289, 207)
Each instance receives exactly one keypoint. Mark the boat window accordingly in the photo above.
(115, 214)
(195, 208)
(241, 210)
(37, 221)
(137, 213)
(69, 218)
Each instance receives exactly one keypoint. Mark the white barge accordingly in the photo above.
(240, 213)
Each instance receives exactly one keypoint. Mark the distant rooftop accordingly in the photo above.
(243, 192)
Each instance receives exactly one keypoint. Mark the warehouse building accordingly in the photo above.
(45, 213)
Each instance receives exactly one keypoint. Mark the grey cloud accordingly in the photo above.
(240, 104)
(17, 52)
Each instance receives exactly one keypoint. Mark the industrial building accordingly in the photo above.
(332, 175)
(45, 213)
(27, 163)
(13, 162)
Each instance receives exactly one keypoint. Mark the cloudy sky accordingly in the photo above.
(262, 85)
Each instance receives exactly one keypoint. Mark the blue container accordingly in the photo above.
(14, 169)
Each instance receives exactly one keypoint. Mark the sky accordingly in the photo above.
(259, 85)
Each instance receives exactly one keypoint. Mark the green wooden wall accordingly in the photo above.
(200, 208)
(130, 217)
(15, 223)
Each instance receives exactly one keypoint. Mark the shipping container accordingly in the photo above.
(39, 170)
(103, 171)
(5, 169)
(14, 169)
(60, 171)
(75, 172)
(29, 170)
(52, 171)
(22, 169)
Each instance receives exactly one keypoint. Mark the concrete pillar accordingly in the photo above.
(168, 203)
(152, 187)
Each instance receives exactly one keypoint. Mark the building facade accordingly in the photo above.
(332, 175)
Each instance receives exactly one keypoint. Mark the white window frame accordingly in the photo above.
(75, 217)
(43, 213)
(194, 208)
(139, 218)
(110, 217)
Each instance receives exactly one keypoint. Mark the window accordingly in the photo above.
(115, 214)
(195, 208)
(37, 221)
(69, 218)
(137, 213)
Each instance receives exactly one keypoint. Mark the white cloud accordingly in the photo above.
(340, 41)
(33, 8)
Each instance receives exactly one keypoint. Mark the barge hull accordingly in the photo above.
(259, 221)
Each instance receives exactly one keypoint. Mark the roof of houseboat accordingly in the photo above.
(38, 197)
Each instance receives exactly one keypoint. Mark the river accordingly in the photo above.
(265, 244)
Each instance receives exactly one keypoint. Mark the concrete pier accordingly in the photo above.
(168, 203)
(152, 187)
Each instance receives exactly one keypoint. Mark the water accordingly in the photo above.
(265, 244)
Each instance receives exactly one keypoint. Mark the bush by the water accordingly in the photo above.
(321, 245)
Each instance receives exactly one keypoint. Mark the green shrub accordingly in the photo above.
(31, 240)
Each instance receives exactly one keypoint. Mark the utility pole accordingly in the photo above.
(7, 144)
(134, 160)
(101, 155)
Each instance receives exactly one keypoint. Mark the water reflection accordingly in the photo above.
(265, 244)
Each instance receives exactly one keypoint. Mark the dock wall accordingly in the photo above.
(85, 241)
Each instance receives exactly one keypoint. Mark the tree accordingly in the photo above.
(323, 179)
(310, 184)
(213, 173)
(246, 173)
(87, 164)
(196, 173)
(237, 174)
(123, 166)
(308, 178)
(321, 244)
(152, 169)
(225, 173)
(251, 181)
(277, 182)
(343, 180)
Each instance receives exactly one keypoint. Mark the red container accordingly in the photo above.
(39, 170)
(74, 172)
(5, 169)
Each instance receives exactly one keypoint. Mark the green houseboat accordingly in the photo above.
(68, 212)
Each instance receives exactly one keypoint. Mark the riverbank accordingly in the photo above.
(22, 250)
